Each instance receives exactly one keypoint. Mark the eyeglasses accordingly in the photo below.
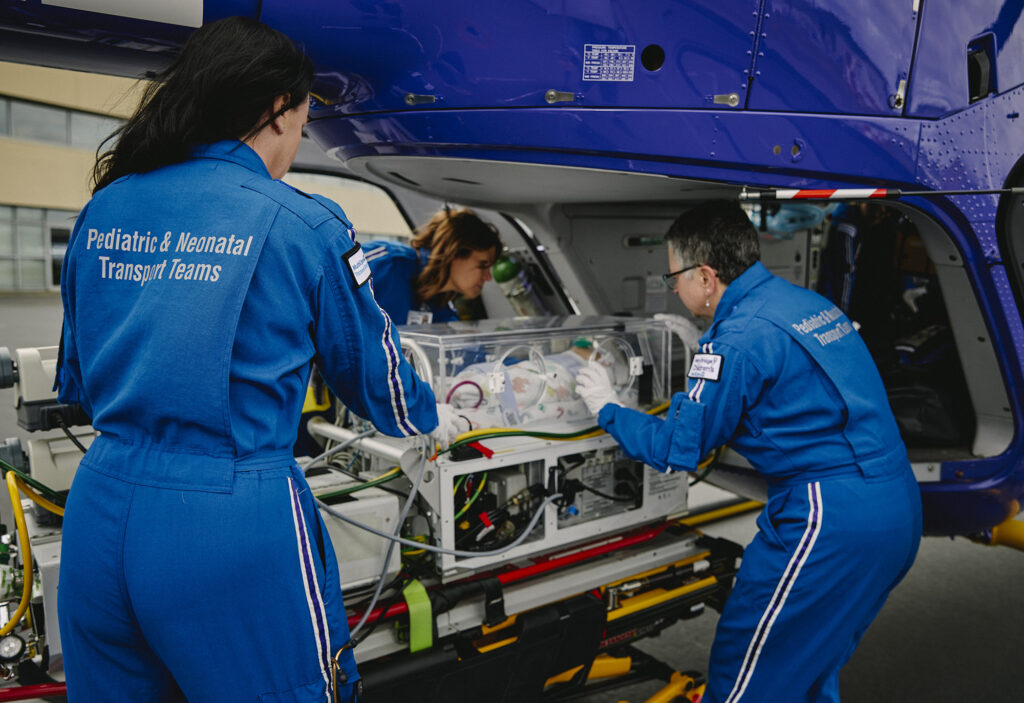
(670, 278)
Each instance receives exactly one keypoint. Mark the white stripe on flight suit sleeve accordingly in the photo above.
(397, 392)
(376, 253)
(698, 387)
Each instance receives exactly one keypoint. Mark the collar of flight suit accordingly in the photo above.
(754, 276)
(234, 151)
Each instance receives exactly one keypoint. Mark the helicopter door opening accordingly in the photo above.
(893, 269)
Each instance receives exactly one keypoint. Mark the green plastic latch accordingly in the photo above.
(421, 616)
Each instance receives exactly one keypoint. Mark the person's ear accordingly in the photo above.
(280, 103)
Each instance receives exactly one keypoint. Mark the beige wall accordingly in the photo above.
(370, 210)
(105, 95)
(33, 174)
(44, 175)
(40, 175)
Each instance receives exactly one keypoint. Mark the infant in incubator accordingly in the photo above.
(538, 391)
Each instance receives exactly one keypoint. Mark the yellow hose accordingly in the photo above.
(36, 498)
(596, 433)
(712, 515)
(26, 552)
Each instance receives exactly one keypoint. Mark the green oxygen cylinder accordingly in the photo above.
(510, 275)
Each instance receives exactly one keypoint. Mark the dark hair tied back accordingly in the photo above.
(219, 87)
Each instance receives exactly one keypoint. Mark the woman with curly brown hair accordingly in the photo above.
(451, 255)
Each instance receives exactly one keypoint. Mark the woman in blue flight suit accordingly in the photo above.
(451, 255)
(197, 290)
(415, 284)
(783, 378)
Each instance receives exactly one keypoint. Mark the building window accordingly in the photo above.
(40, 123)
(32, 246)
(55, 125)
(6, 231)
(33, 241)
(88, 131)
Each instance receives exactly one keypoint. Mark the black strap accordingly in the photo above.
(60, 358)
(494, 602)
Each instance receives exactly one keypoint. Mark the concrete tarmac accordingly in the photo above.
(952, 632)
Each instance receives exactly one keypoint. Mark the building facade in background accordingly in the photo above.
(51, 124)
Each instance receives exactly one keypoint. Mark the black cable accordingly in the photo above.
(59, 419)
(618, 499)
(497, 517)
(362, 594)
(367, 631)
(420, 500)
(715, 455)
(44, 490)
(348, 473)
(385, 604)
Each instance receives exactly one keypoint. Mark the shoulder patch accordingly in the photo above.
(305, 207)
(357, 266)
(706, 366)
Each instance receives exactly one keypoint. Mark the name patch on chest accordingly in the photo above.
(706, 366)
(357, 265)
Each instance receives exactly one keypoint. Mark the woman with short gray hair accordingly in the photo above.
(783, 378)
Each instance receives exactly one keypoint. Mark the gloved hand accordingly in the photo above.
(683, 328)
(595, 387)
(449, 425)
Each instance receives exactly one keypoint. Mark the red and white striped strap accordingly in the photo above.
(811, 194)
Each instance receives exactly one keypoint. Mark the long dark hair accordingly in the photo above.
(450, 235)
(220, 85)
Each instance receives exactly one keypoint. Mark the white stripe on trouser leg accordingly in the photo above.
(803, 550)
(317, 612)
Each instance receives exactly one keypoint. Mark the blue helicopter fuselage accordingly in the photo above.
(917, 95)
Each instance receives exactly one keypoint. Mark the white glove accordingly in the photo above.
(449, 425)
(683, 328)
(594, 386)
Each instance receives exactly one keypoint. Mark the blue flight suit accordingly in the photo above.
(395, 268)
(784, 379)
(195, 564)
